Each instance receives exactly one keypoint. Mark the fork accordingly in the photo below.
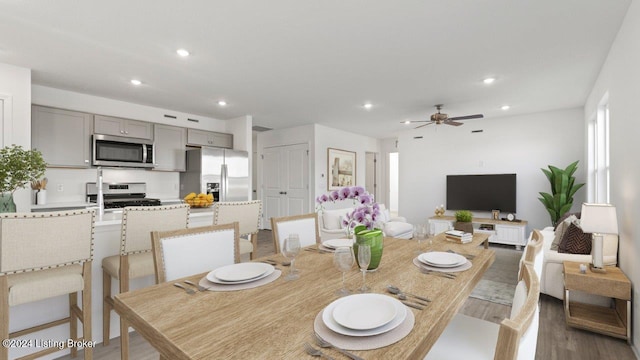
(200, 287)
(325, 344)
(188, 290)
(315, 352)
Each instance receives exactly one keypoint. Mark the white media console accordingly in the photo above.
(500, 231)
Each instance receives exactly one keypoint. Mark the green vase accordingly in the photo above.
(375, 241)
(6, 203)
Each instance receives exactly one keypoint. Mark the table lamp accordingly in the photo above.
(598, 219)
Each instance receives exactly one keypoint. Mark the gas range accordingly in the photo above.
(119, 195)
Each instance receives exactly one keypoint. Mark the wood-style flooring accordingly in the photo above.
(555, 340)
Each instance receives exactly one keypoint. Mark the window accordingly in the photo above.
(598, 154)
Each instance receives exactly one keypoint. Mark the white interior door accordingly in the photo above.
(285, 181)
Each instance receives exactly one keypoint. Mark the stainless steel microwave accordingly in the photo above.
(122, 151)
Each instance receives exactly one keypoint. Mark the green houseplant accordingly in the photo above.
(563, 187)
(18, 167)
(463, 221)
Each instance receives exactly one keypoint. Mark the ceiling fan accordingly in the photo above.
(440, 118)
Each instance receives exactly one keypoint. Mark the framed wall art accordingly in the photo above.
(341, 168)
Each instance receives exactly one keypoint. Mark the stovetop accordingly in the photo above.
(119, 195)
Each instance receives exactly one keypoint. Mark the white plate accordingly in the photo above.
(327, 318)
(365, 312)
(240, 273)
(336, 243)
(442, 259)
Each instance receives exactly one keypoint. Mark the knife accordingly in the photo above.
(415, 306)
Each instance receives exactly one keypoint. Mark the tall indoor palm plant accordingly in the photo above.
(563, 187)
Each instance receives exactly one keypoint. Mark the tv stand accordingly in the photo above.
(499, 231)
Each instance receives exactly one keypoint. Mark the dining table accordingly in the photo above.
(274, 320)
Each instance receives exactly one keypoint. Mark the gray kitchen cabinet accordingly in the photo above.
(169, 147)
(63, 136)
(109, 125)
(209, 138)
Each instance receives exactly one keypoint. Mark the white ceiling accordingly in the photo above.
(293, 62)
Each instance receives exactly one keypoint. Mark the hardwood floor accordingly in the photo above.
(555, 340)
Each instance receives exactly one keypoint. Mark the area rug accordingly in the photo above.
(499, 282)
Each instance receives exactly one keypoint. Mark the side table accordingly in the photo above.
(615, 321)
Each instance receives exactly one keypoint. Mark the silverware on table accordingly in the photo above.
(315, 352)
(188, 290)
(198, 286)
(468, 256)
(438, 273)
(396, 290)
(325, 344)
(413, 305)
(403, 297)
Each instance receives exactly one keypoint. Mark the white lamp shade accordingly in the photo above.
(599, 218)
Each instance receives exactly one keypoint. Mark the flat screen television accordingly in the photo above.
(482, 192)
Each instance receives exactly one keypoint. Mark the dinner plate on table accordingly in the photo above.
(336, 243)
(240, 273)
(442, 259)
(372, 302)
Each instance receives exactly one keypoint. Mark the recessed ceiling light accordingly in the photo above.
(182, 52)
(222, 103)
(368, 106)
(489, 80)
(136, 82)
(505, 107)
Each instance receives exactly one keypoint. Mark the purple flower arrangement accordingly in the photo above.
(366, 211)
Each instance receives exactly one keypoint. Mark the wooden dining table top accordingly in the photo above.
(273, 321)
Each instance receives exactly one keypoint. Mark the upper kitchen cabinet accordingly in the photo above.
(169, 145)
(108, 125)
(209, 138)
(63, 136)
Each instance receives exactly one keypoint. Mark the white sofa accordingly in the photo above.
(551, 278)
(330, 224)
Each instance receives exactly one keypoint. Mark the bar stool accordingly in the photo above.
(135, 259)
(44, 255)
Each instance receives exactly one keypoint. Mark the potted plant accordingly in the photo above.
(463, 221)
(563, 187)
(18, 167)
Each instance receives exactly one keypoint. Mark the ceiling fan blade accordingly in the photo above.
(414, 121)
(418, 127)
(468, 117)
(454, 123)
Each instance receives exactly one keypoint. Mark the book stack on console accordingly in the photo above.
(459, 236)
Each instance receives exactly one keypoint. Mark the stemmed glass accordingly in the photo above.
(420, 233)
(364, 258)
(343, 260)
(290, 250)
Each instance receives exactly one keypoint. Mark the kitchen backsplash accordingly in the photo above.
(68, 185)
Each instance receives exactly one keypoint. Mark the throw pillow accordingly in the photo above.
(575, 241)
(564, 217)
(332, 219)
(561, 229)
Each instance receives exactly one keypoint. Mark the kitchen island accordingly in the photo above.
(106, 243)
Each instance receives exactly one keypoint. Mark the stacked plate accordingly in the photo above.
(336, 243)
(442, 261)
(363, 315)
(240, 273)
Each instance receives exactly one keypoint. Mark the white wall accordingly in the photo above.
(15, 88)
(519, 144)
(620, 76)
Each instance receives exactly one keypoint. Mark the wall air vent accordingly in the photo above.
(170, 116)
(417, 137)
(476, 131)
(193, 120)
(260, 128)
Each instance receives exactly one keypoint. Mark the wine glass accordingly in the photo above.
(364, 258)
(290, 250)
(343, 260)
(429, 231)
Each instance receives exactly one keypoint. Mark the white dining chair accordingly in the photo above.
(185, 252)
(135, 259)
(247, 214)
(46, 255)
(306, 226)
(514, 338)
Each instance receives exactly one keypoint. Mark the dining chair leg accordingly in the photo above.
(124, 327)
(106, 307)
(4, 316)
(73, 322)
(86, 310)
(254, 242)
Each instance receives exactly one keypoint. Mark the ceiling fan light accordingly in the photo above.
(407, 122)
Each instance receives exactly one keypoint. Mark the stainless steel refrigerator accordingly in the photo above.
(222, 172)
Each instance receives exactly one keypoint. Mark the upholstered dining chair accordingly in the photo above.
(515, 338)
(533, 253)
(306, 226)
(45, 255)
(180, 253)
(135, 259)
(247, 214)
